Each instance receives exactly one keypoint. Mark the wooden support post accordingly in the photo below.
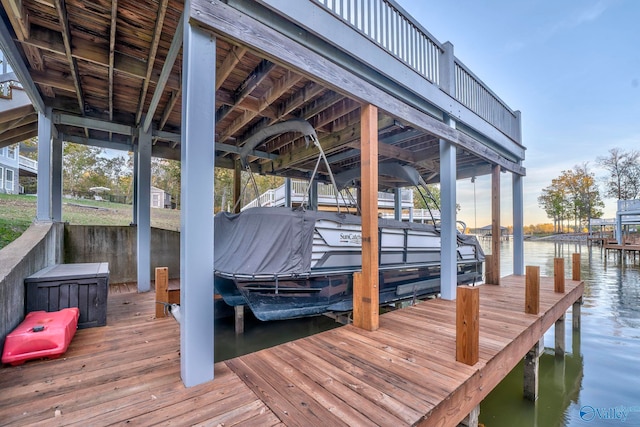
(575, 333)
(560, 339)
(575, 267)
(531, 368)
(575, 314)
(558, 275)
(467, 324)
(496, 233)
(365, 299)
(488, 272)
(162, 291)
(532, 290)
(472, 419)
(239, 317)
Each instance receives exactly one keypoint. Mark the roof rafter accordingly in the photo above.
(246, 87)
(112, 45)
(61, 9)
(283, 84)
(172, 55)
(155, 41)
(229, 63)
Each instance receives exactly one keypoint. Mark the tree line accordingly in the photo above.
(575, 197)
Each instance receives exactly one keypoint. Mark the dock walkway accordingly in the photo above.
(405, 373)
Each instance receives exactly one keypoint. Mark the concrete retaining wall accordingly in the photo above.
(38, 247)
(117, 246)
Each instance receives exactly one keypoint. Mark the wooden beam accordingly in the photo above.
(18, 18)
(16, 113)
(175, 95)
(151, 59)
(309, 91)
(365, 308)
(467, 324)
(56, 79)
(61, 9)
(496, 232)
(230, 61)
(281, 86)
(20, 131)
(320, 104)
(252, 81)
(112, 45)
(532, 290)
(21, 121)
(558, 275)
(176, 44)
(85, 50)
(329, 143)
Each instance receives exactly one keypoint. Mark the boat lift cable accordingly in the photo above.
(244, 189)
(430, 195)
(321, 156)
(293, 125)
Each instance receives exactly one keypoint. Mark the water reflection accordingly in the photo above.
(600, 373)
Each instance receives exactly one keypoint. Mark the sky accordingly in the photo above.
(571, 67)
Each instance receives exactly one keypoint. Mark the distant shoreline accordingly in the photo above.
(565, 237)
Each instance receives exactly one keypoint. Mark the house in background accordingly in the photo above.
(9, 169)
(160, 198)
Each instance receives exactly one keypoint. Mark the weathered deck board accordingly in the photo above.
(405, 373)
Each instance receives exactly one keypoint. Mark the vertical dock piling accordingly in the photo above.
(532, 290)
(162, 291)
(467, 324)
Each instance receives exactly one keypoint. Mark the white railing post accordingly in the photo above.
(448, 70)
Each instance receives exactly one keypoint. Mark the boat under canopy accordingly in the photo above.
(285, 263)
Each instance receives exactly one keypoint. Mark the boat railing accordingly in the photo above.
(326, 196)
(391, 28)
(415, 215)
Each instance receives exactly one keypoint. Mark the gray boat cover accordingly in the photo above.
(263, 241)
(279, 241)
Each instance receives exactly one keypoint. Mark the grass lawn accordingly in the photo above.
(17, 212)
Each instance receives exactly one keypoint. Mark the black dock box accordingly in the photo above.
(59, 286)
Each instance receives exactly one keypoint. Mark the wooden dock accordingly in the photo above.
(405, 373)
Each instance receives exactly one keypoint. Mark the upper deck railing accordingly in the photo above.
(628, 206)
(386, 24)
(28, 164)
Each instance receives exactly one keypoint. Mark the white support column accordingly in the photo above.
(518, 225)
(144, 211)
(196, 237)
(448, 248)
(56, 180)
(135, 185)
(43, 211)
(397, 210)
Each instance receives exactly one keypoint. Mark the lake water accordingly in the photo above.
(596, 383)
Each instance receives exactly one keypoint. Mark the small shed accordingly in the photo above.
(160, 198)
